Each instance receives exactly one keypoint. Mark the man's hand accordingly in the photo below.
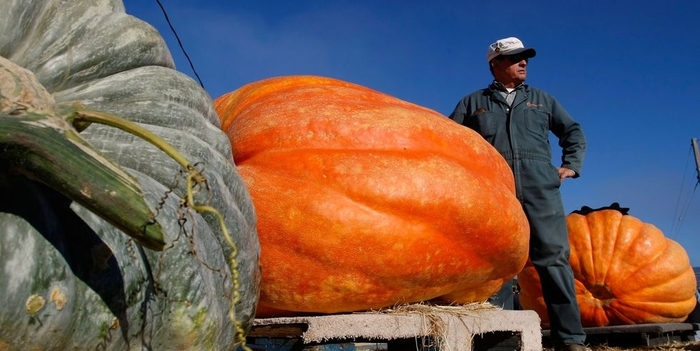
(565, 173)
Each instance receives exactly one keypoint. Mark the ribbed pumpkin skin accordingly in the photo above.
(365, 201)
(626, 272)
(108, 292)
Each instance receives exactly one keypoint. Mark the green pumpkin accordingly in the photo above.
(69, 279)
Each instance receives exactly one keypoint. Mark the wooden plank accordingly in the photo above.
(652, 334)
(284, 331)
(641, 328)
(638, 328)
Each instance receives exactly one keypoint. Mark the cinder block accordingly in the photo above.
(448, 330)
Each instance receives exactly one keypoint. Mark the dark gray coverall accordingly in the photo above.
(520, 132)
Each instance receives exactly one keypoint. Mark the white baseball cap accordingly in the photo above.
(509, 46)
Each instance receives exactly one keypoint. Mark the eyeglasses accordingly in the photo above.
(514, 58)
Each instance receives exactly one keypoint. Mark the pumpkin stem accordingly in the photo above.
(80, 117)
(39, 147)
(614, 206)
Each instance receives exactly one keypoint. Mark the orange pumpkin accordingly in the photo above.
(365, 201)
(626, 272)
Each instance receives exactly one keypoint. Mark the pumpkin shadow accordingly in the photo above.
(87, 255)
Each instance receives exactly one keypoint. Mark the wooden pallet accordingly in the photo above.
(636, 335)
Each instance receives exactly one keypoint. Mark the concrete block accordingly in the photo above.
(452, 329)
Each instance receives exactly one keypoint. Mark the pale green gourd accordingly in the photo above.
(68, 278)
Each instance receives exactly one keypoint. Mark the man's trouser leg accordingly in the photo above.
(549, 253)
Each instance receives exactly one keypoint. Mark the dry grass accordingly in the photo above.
(431, 312)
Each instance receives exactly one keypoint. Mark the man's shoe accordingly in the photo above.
(570, 347)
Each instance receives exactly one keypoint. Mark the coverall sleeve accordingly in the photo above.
(460, 112)
(571, 138)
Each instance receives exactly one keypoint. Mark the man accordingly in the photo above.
(516, 119)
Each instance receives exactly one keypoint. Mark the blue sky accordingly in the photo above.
(628, 71)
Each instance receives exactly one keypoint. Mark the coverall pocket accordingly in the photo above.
(537, 122)
(485, 123)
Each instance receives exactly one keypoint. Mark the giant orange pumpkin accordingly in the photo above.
(626, 271)
(365, 201)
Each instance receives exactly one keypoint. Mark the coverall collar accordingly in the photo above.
(496, 87)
